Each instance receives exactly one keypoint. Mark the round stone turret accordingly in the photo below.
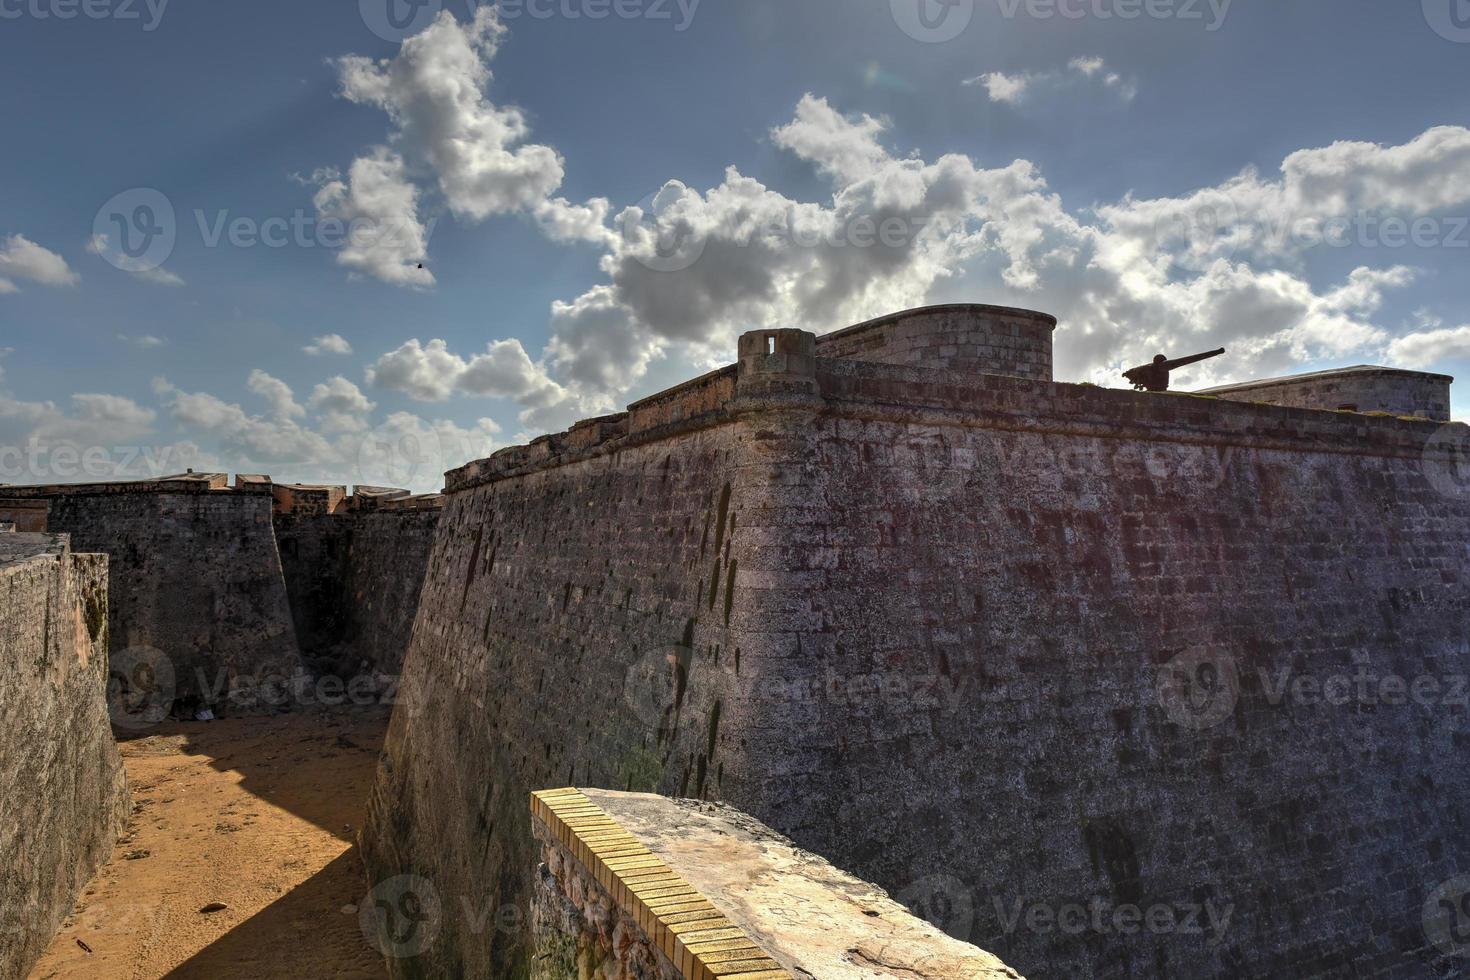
(960, 337)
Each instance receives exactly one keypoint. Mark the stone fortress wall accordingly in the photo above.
(231, 585)
(63, 792)
(994, 643)
(354, 567)
(1355, 389)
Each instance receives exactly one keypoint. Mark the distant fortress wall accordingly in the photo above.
(194, 574)
(354, 567)
(1354, 389)
(997, 644)
(233, 584)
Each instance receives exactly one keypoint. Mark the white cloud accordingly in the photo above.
(277, 394)
(1002, 87)
(443, 126)
(137, 268)
(377, 208)
(434, 91)
(340, 406)
(21, 258)
(146, 341)
(1424, 348)
(433, 373)
(328, 344)
(1016, 88)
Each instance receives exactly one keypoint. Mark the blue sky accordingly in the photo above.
(1158, 181)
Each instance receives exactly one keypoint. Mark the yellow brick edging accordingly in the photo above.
(695, 936)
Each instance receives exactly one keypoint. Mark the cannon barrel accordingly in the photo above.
(1180, 362)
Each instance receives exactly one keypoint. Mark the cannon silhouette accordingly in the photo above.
(1155, 376)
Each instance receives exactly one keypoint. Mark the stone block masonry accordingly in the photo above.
(1355, 389)
(63, 795)
(921, 620)
(354, 567)
(633, 885)
(195, 578)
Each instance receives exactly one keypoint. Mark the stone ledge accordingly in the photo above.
(685, 870)
(686, 927)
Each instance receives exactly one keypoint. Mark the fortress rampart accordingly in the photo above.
(919, 620)
(231, 584)
(1355, 389)
(65, 797)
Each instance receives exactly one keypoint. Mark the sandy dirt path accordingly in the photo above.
(258, 814)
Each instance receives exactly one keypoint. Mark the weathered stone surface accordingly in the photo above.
(63, 794)
(962, 337)
(935, 627)
(354, 579)
(1355, 389)
(813, 919)
(194, 574)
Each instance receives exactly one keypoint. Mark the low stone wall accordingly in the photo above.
(641, 886)
(63, 794)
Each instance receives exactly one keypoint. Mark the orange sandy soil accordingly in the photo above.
(260, 814)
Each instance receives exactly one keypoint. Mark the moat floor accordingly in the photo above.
(258, 814)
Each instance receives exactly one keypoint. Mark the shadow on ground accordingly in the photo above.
(302, 934)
